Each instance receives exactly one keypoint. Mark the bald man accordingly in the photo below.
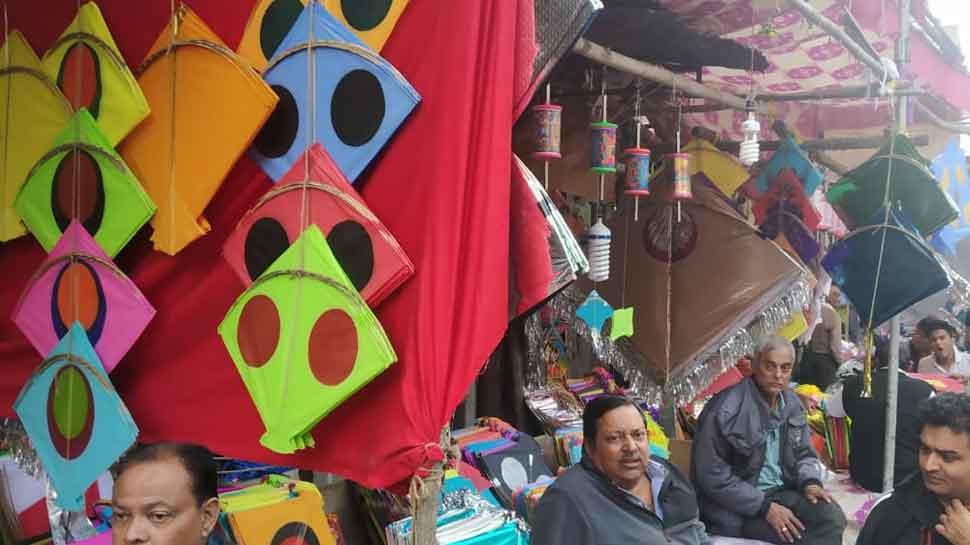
(753, 465)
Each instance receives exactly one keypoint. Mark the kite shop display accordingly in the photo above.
(312, 237)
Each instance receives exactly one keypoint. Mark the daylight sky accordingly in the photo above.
(954, 12)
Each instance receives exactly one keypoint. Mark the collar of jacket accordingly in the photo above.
(923, 504)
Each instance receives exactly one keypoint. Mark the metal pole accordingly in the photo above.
(892, 380)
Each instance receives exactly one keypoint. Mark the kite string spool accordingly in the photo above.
(547, 127)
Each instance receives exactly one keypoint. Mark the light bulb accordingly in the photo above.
(598, 239)
(750, 151)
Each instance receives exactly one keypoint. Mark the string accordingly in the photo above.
(310, 138)
(4, 210)
(173, 51)
(669, 318)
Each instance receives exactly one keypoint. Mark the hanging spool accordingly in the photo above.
(603, 153)
(637, 172)
(598, 239)
(548, 129)
(681, 176)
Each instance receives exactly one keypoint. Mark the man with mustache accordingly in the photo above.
(930, 508)
(756, 473)
(618, 493)
(945, 359)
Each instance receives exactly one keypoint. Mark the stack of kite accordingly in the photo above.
(313, 256)
(78, 197)
(275, 512)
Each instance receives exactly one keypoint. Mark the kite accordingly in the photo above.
(303, 341)
(861, 193)
(371, 21)
(269, 22)
(910, 271)
(723, 169)
(89, 69)
(82, 178)
(360, 100)
(79, 283)
(278, 515)
(34, 112)
(787, 188)
(622, 324)
(75, 419)
(790, 156)
(950, 170)
(365, 249)
(197, 130)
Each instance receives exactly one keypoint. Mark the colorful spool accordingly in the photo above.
(603, 152)
(547, 120)
(637, 172)
(681, 177)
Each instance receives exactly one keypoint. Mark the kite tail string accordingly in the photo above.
(626, 256)
(669, 318)
(72, 265)
(173, 52)
(6, 117)
(867, 390)
(310, 138)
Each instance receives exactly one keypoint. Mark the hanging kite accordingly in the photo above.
(861, 193)
(365, 249)
(89, 69)
(269, 22)
(722, 169)
(77, 179)
(303, 341)
(278, 515)
(706, 274)
(197, 130)
(372, 21)
(783, 224)
(34, 112)
(909, 271)
(75, 419)
(790, 156)
(79, 283)
(787, 188)
(360, 100)
(950, 170)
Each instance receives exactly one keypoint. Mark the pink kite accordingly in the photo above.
(79, 282)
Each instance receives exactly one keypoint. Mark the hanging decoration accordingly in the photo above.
(34, 112)
(90, 71)
(721, 168)
(750, 150)
(595, 311)
(372, 22)
(76, 181)
(790, 156)
(207, 106)
(79, 283)
(681, 176)
(363, 100)
(622, 324)
(637, 176)
(950, 170)
(303, 341)
(598, 239)
(74, 417)
(547, 119)
(368, 253)
(912, 189)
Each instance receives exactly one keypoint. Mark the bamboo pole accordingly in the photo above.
(825, 144)
(959, 128)
(424, 497)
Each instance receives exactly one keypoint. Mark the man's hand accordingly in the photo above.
(955, 523)
(785, 523)
(814, 492)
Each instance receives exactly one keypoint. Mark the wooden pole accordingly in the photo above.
(652, 72)
(424, 497)
(958, 128)
(825, 144)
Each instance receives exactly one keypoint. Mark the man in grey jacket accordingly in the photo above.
(756, 473)
(618, 494)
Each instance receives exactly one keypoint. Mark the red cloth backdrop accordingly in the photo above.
(442, 187)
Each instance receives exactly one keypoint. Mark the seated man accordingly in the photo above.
(946, 358)
(618, 493)
(868, 415)
(929, 507)
(756, 473)
(164, 494)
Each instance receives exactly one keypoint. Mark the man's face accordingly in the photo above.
(944, 459)
(920, 342)
(834, 297)
(621, 449)
(772, 370)
(153, 505)
(941, 343)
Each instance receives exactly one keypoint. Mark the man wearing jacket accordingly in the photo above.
(756, 473)
(618, 493)
(929, 508)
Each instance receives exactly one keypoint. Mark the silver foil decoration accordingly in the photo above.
(66, 526)
(14, 437)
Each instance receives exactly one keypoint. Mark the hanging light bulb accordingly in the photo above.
(598, 239)
(750, 151)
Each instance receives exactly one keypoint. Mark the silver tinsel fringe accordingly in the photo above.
(14, 437)
(691, 379)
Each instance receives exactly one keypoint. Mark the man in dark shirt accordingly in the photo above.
(868, 435)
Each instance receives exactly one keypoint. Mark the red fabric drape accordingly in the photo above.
(442, 187)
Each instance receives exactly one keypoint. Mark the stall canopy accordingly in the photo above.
(442, 187)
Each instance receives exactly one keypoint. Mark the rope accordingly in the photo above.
(4, 209)
(172, 135)
(75, 216)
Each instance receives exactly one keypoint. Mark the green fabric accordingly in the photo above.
(913, 188)
(770, 476)
(126, 206)
(286, 388)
